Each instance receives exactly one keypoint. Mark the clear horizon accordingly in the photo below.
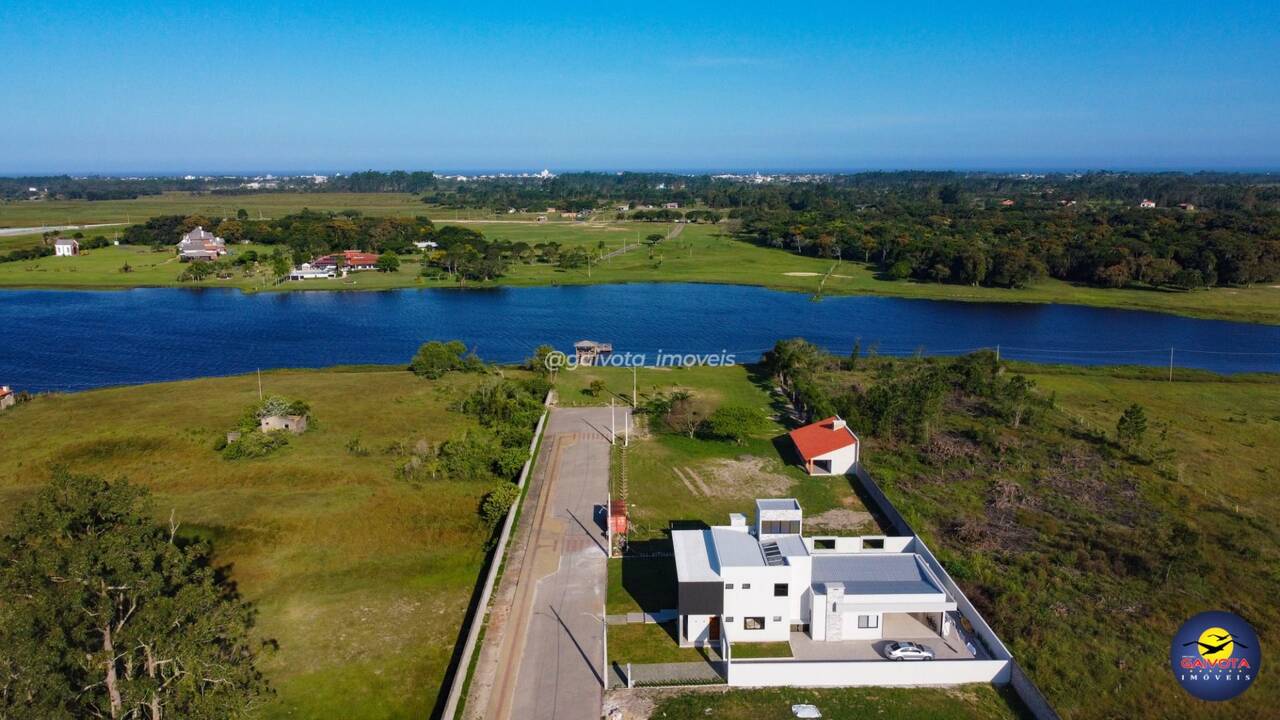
(137, 88)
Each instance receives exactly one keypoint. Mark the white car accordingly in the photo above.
(907, 651)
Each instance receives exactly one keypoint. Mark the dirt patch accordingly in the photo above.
(747, 475)
(639, 703)
(841, 519)
(802, 274)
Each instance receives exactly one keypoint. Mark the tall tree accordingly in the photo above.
(106, 614)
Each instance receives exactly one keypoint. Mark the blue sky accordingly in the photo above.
(127, 86)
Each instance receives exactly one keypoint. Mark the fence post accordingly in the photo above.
(630, 683)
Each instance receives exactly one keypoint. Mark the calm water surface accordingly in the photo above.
(54, 340)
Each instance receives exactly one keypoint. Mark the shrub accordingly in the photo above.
(733, 423)
(495, 504)
(255, 444)
(436, 358)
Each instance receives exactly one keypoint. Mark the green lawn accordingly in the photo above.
(701, 253)
(638, 584)
(748, 650)
(649, 643)
(361, 578)
(970, 702)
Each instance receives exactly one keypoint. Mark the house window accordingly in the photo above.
(728, 586)
(824, 543)
(835, 607)
(868, 621)
(753, 623)
(777, 618)
(746, 586)
(728, 619)
(780, 527)
(873, 543)
(779, 589)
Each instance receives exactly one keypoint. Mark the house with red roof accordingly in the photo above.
(827, 447)
(7, 398)
(351, 260)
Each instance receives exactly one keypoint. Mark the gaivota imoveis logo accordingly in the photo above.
(1215, 655)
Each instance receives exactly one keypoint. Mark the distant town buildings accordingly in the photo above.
(1147, 204)
(1006, 203)
(66, 247)
(200, 245)
(671, 206)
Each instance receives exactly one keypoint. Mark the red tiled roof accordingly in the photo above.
(821, 438)
(350, 257)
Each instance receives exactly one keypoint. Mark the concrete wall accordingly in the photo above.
(853, 544)
(477, 618)
(774, 673)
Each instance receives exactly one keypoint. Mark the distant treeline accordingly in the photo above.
(1013, 246)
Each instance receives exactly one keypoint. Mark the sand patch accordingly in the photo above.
(802, 274)
(841, 519)
(747, 475)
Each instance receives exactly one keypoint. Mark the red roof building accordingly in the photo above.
(351, 260)
(827, 447)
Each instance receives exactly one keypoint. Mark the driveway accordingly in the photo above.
(543, 653)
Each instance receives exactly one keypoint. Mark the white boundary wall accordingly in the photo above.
(801, 673)
(497, 559)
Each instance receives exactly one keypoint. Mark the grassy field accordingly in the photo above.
(361, 578)
(701, 253)
(973, 702)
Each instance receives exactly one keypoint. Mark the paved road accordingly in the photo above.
(543, 652)
(6, 232)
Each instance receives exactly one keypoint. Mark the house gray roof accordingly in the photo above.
(778, 504)
(65, 241)
(876, 574)
(791, 545)
(735, 548)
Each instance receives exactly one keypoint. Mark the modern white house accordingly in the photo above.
(66, 247)
(764, 581)
(827, 447)
(306, 271)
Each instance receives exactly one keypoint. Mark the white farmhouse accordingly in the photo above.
(827, 447)
(768, 583)
(66, 247)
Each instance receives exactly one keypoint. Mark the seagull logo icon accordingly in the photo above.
(1215, 644)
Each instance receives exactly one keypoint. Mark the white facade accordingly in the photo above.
(760, 583)
(66, 247)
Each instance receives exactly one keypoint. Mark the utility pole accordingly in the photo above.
(997, 353)
(259, 384)
(613, 434)
(634, 397)
(1170, 364)
(626, 433)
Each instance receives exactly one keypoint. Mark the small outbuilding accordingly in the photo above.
(7, 397)
(66, 247)
(296, 424)
(827, 447)
(588, 352)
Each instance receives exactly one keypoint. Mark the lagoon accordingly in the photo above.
(66, 341)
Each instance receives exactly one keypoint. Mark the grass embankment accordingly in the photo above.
(702, 253)
(973, 702)
(362, 579)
